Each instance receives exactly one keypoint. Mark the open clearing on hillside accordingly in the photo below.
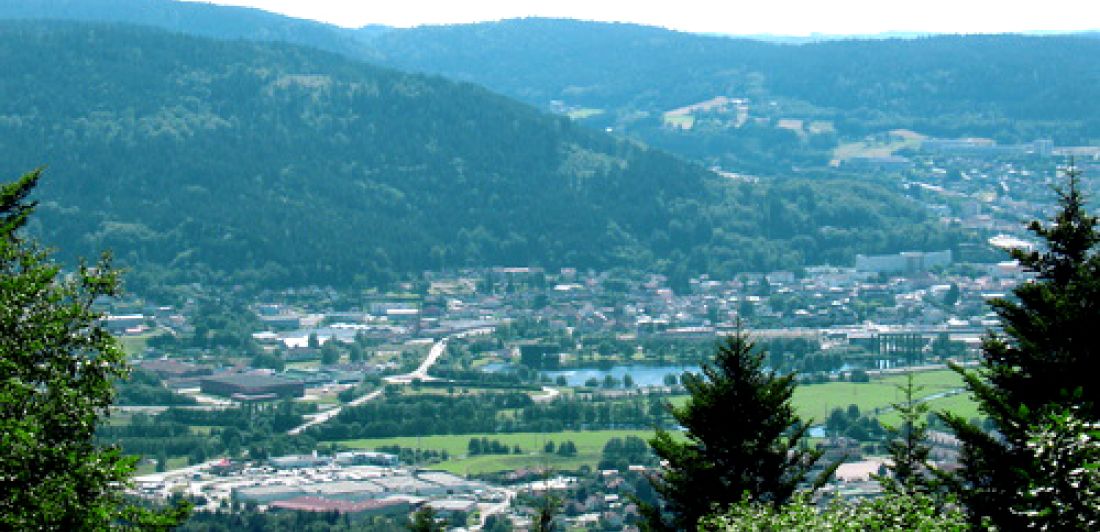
(879, 145)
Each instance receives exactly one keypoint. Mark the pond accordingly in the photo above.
(643, 375)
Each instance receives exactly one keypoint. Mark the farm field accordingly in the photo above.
(589, 447)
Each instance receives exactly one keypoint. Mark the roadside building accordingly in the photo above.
(266, 494)
(174, 369)
(367, 458)
(299, 461)
(119, 324)
(251, 386)
(344, 490)
(362, 508)
(447, 508)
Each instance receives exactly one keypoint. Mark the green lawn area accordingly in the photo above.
(811, 401)
(589, 446)
(135, 344)
(144, 468)
(815, 401)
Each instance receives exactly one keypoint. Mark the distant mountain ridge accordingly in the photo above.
(624, 68)
(601, 65)
(194, 18)
(804, 98)
(272, 164)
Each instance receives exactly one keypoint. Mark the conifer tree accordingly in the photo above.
(1044, 360)
(908, 445)
(57, 368)
(742, 439)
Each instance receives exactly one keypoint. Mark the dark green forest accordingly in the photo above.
(1013, 87)
(210, 161)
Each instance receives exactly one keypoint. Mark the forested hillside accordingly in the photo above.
(1002, 85)
(1011, 86)
(801, 101)
(201, 160)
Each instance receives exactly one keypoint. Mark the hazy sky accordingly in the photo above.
(787, 17)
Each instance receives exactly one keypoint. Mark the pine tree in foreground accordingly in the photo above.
(909, 468)
(1045, 361)
(743, 438)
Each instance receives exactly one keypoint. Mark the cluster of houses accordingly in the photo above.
(917, 293)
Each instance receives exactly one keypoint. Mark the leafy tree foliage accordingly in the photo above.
(1065, 495)
(620, 453)
(743, 438)
(57, 366)
(425, 520)
(250, 519)
(893, 511)
(1045, 360)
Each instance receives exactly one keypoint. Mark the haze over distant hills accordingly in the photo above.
(229, 161)
(1014, 88)
(944, 84)
(194, 18)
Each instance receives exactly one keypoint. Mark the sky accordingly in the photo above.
(735, 17)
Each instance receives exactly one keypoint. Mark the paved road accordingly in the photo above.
(331, 413)
(420, 373)
(498, 508)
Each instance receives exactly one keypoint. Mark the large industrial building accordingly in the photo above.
(251, 386)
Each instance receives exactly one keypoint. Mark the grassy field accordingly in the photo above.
(878, 147)
(589, 446)
(961, 404)
(812, 401)
(135, 344)
(146, 468)
(817, 400)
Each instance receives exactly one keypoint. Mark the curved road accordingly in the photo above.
(420, 373)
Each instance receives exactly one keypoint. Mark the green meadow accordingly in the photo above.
(815, 401)
(589, 447)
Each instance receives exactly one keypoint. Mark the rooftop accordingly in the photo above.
(318, 504)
